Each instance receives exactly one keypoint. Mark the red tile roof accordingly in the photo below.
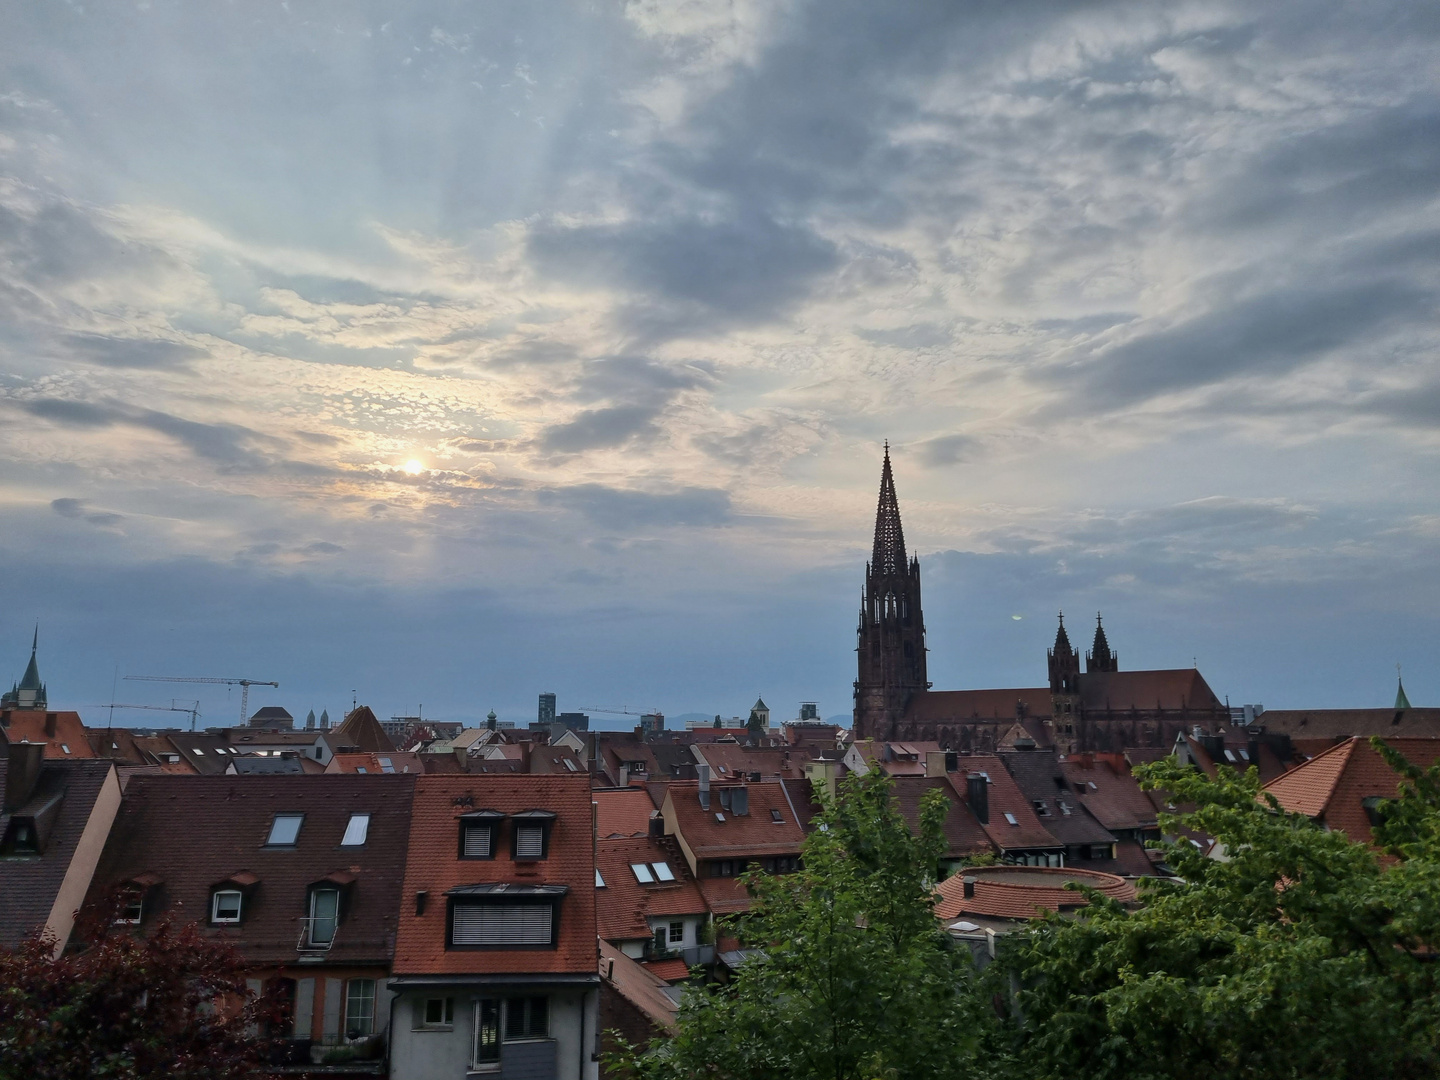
(963, 833)
(624, 905)
(638, 986)
(756, 834)
(940, 706)
(57, 730)
(1023, 892)
(623, 812)
(724, 896)
(1115, 799)
(1004, 796)
(1333, 786)
(434, 867)
(400, 761)
(733, 761)
(669, 970)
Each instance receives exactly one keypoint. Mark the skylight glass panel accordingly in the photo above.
(662, 871)
(356, 830)
(642, 873)
(361, 768)
(1011, 819)
(386, 765)
(599, 881)
(284, 829)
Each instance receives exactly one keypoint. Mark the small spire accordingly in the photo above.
(1401, 701)
(1062, 639)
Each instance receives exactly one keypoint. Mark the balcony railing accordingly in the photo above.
(317, 936)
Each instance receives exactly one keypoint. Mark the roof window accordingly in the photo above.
(719, 816)
(599, 881)
(1011, 818)
(65, 747)
(642, 873)
(662, 871)
(360, 768)
(1230, 756)
(776, 818)
(356, 830)
(196, 751)
(225, 906)
(386, 765)
(284, 830)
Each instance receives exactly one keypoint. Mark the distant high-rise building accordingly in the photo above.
(652, 723)
(547, 710)
(809, 710)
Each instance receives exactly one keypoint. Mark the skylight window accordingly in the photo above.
(642, 873)
(662, 871)
(386, 765)
(356, 831)
(196, 751)
(776, 818)
(1230, 755)
(284, 830)
(719, 816)
(360, 768)
(599, 881)
(1011, 818)
(65, 747)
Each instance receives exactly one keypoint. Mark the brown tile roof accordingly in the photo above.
(57, 730)
(1023, 892)
(1344, 723)
(641, 988)
(724, 896)
(1061, 809)
(963, 832)
(434, 867)
(204, 753)
(1004, 797)
(361, 730)
(29, 887)
(624, 904)
(1119, 691)
(953, 706)
(673, 970)
(555, 759)
(1333, 786)
(1115, 799)
(756, 834)
(193, 832)
(623, 812)
(731, 761)
(400, 761)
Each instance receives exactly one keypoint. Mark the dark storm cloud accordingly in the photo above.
(611, 508)
(145, 354)
(638, 391)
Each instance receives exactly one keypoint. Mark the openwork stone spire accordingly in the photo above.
(889, 554)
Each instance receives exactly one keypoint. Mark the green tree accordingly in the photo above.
(853, 978)
(1296, 953)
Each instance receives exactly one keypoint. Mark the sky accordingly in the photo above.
(440, 354)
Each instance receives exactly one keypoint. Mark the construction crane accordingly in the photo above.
(622, 711)
(193, 710)
(244, 685)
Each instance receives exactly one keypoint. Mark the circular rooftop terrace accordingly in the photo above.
(1022, 892)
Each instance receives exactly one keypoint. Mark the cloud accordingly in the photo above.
(625, 511)
(595, 429)
(948, 450)
(75, 508)
(139, 353)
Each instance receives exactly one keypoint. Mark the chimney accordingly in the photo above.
(462, 759)
(740, 801)
(624, 775)
(657, 825)
(703, 771)
(23, 772)
(50, 725)
(952, 761)
(969, 884)
(977, 790)
(935, 761)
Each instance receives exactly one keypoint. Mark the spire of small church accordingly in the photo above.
(29, 692)
(1401, 701)
(889, 553)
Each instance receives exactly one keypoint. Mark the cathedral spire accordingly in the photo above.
(889, 553)
(1100, 658)
(1062, 639)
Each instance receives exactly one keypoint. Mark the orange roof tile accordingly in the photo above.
(623, 812)
(1004, 797)
(755, 834)
(1023, 892)
(1308, 787)
(725, 896)
(434, 866)
(638, 986)
(668, 970)
(624, 905)
(57, 730)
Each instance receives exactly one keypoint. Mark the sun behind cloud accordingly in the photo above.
(414, 467)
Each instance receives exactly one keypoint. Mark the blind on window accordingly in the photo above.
(529, 841)
(502, 924)
(477, 841)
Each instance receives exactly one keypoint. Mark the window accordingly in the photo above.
(197, 751)
(727, 867)
(662, 871)
(776, 818)
(677, 933)
(359, 1008)
(225, 906)
(355, 831)
(435, 1013)
(642, 873)
(361, 769)
(1011, 818)
(386, 765)
(529, 840)
(487, 1032)
(132, 907)
(477, 840)
(527, 1018)
(65, 747)
(503, 924)
(284, 830)
(599, 881)
(324, 915)
(21, 839)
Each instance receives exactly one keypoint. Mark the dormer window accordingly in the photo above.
(132, 907)
(284, 830)
(530, 834)
(225, 906)
(324, 916)
(477, 834)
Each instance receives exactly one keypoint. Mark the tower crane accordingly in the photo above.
(193, 710)
(244, 685)
(622, 711)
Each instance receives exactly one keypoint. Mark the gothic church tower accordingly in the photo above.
(891, 649)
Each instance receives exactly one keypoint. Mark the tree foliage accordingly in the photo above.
(171, 1003)
(1296, 953)
(852, 977)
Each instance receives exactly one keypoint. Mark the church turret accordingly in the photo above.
(1064, 663)
(891, 647)
(1100, 658)
(29, 692)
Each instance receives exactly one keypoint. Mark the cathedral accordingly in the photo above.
(1099, 709)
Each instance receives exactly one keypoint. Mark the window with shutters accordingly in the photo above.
(477, 840)
(529, 840)
(503, 925)
(527, 1018)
